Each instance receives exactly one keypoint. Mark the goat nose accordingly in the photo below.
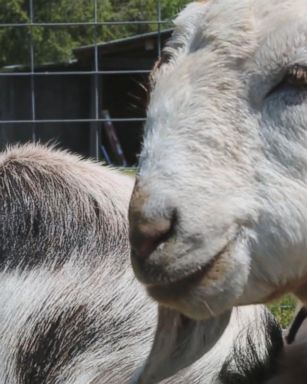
(146, 234)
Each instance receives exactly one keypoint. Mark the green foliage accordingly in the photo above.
(56, 43)
(13, 40)
(283, 310)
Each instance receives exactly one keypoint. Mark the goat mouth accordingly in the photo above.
(165, 292)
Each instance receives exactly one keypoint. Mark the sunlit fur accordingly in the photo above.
(71, 311)
(225, 148)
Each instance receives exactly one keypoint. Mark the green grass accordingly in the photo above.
(283, 310)
(128, 171)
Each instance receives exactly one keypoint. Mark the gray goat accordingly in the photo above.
(71, 311)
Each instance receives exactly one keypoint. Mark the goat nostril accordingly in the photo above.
(146, 236)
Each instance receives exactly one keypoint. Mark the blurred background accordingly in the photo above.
(74, 72)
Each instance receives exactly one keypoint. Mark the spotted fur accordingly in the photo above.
(71, 310)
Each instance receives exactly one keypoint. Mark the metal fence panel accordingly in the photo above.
(24, 105)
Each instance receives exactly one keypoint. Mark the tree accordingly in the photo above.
(56, 43)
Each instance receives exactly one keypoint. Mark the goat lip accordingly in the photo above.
(178, 288)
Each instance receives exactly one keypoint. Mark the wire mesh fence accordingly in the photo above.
(72, 72)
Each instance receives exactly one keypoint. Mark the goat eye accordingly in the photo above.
(297, 75)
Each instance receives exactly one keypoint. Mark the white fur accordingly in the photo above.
(229, 156)
(73, 312)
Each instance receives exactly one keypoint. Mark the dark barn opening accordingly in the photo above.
(76, 102)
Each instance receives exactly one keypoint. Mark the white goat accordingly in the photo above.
(71, 311)
(219, 211)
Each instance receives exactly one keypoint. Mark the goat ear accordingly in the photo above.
(179, 342)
